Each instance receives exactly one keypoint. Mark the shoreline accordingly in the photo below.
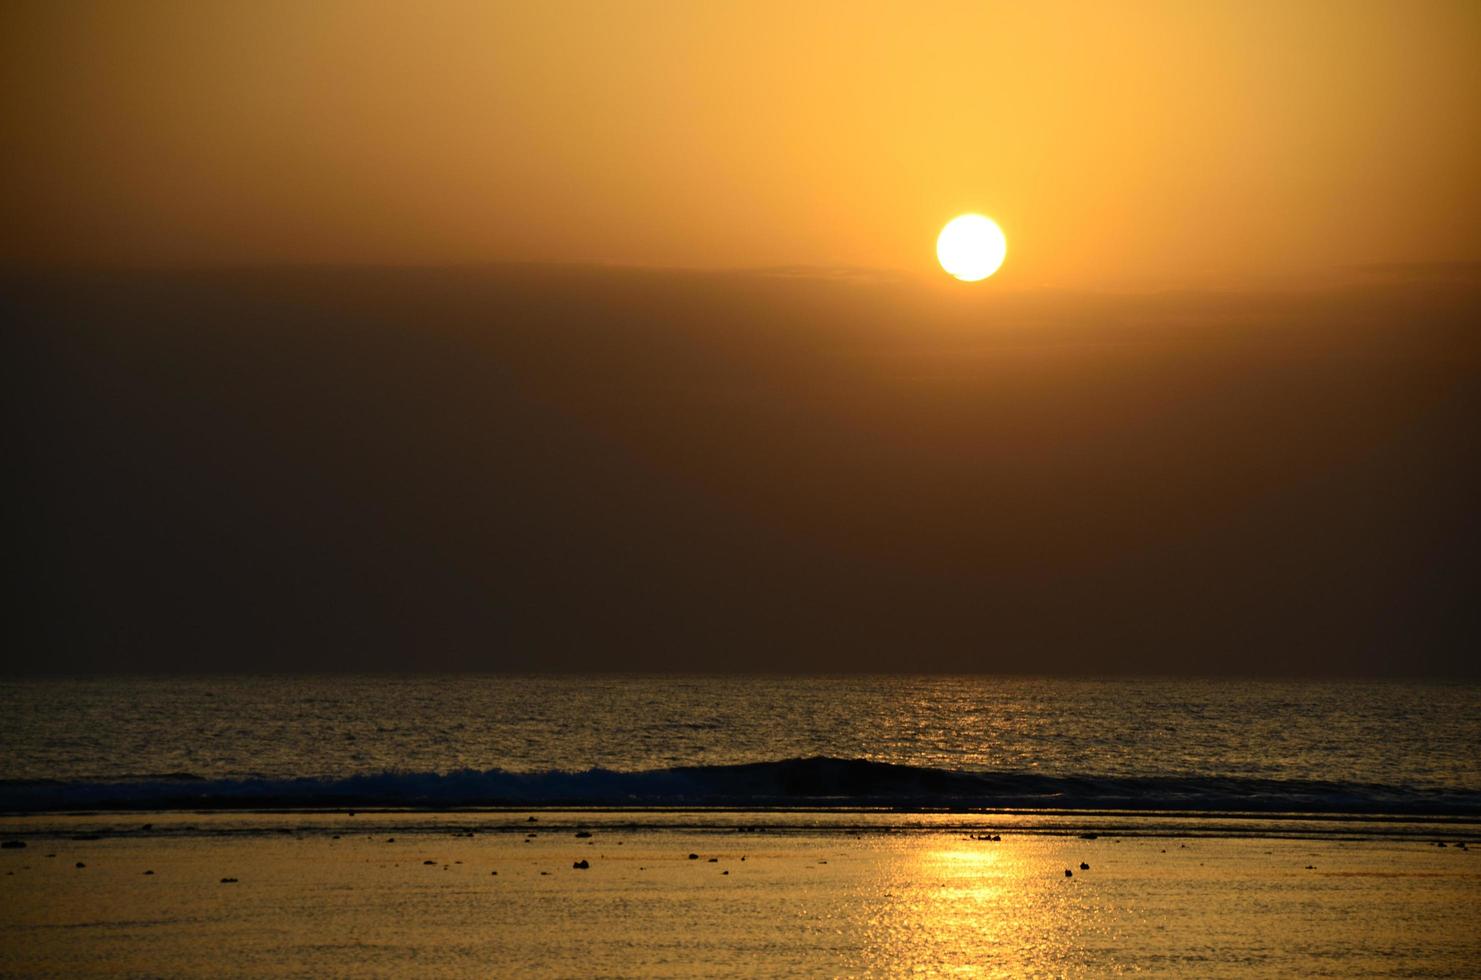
(135, 824)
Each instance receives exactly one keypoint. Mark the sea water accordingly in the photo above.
(976, 740)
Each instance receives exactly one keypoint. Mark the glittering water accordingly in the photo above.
(330, 895)
(1406, 735)
(802, 891)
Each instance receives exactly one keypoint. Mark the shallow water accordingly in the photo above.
(804, 901)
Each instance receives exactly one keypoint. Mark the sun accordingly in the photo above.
(971, 247)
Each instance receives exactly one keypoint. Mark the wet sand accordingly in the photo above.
(775, 894)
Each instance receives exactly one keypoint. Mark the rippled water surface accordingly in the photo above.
(1413, 735)
(798, 904)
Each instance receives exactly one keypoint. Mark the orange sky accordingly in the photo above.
(1184, 143)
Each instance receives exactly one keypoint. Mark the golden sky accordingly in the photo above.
(1117, 144)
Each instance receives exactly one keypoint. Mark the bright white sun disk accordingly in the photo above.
(971, 247)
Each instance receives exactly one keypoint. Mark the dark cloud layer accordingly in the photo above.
(559, 468)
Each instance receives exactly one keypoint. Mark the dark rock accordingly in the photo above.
(390, 840)
(1068, 873)
(11, 845)
(149, 872)
(493, 872)
(531, 820)
(80, 865)
(714, 860)
(725, 872)
(335, 837)
(583, 833)
(1084, 866)
(582, 864)
(694, 857)
(429, 862)
(228, 881)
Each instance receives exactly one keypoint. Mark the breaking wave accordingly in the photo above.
(812, 782)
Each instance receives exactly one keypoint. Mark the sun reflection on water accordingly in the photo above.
(971, 908)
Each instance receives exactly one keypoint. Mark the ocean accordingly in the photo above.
(903, 741)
